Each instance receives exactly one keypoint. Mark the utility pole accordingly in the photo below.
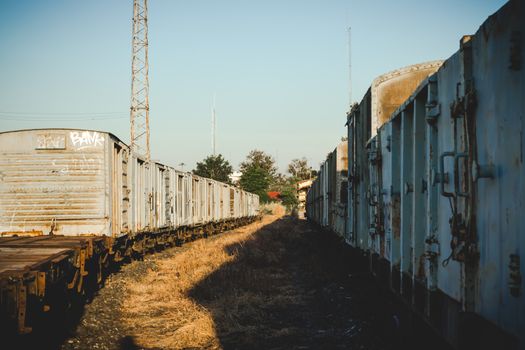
(139, 111)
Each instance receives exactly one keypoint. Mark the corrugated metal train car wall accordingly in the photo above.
(75, 182)
(54, 182)
(436, 186)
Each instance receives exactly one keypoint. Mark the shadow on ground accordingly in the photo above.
(292, 286)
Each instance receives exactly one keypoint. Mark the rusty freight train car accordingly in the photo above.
(73, 201)
(436, 190)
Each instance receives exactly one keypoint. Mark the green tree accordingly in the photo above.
(214, 167)
(279, 181)
(258, 173)
(299, 169)
(259, 159)
(256, 180)
(289, 195)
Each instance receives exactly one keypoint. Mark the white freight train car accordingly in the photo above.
(85, 182)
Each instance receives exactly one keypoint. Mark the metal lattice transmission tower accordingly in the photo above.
(139, 113)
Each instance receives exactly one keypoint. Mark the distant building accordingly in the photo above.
(302, 188)
(235, 177)
(274, 195)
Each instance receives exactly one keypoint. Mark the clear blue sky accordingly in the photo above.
(279, 68)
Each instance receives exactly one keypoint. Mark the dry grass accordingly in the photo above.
(180, 302)
(275, 284)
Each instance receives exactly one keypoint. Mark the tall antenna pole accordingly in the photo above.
(213, 122)
(349, 69)
(139, 111)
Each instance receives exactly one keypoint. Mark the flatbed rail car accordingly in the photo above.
(85, 195)
(436, 190)
(36, 273)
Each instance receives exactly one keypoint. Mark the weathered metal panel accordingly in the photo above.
(385, 198)
(225, 201)
(373, 195)
(196, 196)
(54, 180)
(448, 276)
(394, 192)
(324, 194)
(418, 187)
(208, 217)
(188, 205)
(498, 69)
(350, 222)
(390, 90)
(237, 201)
(362, 134)
(341, 182)
(159, 195)
(119, 192)
(406, 179)
(140, 194)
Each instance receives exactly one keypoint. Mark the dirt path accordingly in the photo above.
(275, 284)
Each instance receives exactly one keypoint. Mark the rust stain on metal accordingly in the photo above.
(22, 233)
(420, 273)
(396, 217)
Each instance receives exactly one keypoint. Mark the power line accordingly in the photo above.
(62, 113)
(20, 116)
(29, 119)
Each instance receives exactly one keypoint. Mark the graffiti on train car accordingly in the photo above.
(83, 165)
(86, 139)
(50, 141)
